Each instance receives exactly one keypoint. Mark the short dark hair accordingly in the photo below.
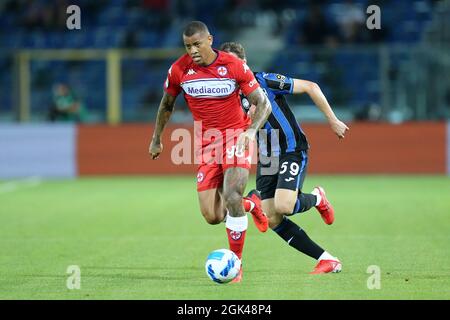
(194, 27)
(233, 47)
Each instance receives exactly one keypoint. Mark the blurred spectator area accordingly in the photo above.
(104, 23)
(311, 50)
(328, 42)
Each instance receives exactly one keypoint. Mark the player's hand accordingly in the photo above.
(251, 111)
(155, 149)
(245, 138)
(339, 128)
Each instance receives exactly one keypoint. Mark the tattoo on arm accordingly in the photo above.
(164, 112)
(263, 108)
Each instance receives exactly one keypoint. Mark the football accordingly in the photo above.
(222, 265)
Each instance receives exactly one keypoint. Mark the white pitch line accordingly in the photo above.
(14, 185)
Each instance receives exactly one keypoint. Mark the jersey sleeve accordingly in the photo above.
(245, 78)
(278, 83)
(172, 83)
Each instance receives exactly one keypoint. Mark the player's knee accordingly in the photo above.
(283, 207)
(213, 220)
(274, 220)
(212, 217)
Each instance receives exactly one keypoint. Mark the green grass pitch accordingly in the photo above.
(144, 238)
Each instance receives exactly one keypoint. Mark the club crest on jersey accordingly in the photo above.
(222, 71)
(235, 235)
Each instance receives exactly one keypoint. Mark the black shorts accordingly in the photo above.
(289, 174)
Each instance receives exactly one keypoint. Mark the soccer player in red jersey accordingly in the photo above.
(211, 81)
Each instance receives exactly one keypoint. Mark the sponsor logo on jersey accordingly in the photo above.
(191, 72)
(245, 67)
(235, 235)
(222, 71)
(252, 83)
(209, 88)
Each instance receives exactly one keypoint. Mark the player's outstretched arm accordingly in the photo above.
(164, 112)
(259, 117)
(316, 94)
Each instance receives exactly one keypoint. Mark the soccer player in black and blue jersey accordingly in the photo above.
(281, 191)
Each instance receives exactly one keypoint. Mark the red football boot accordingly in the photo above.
(259, 217)
(324, 207)
(327, 266)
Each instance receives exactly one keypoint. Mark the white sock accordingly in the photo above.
(237, 223)
(326, 256)
(318, 196)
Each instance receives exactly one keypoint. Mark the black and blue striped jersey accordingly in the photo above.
(284, 133)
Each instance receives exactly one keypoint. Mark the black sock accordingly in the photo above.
(297, 238)
(305, 201)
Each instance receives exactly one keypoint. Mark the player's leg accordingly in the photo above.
(235, 180)
(293, 201)
(281, 225)
(209, 190)
(297, 238)
(290, 178)
(266, 184)
(290, 232)
(211, 205)
(289, 199)
(252, 201)
(268, 205)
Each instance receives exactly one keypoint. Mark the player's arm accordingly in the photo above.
(262, 108)
(316, 94)
(261, 112)
(164, 112)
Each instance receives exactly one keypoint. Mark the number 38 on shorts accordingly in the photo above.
(238, 155)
